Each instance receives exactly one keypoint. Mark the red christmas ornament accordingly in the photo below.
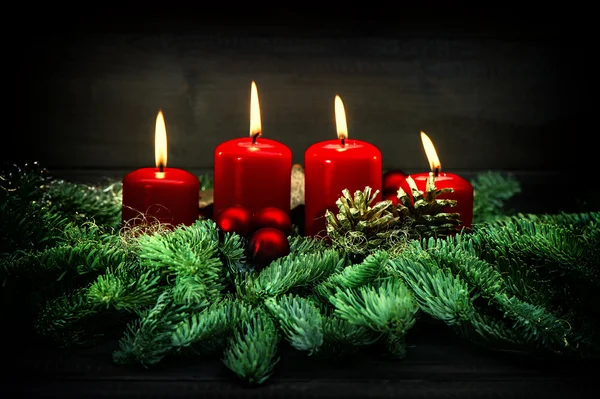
(273, 217)
(236, 219)
(392, 197)
(266, 245)
(393, 180)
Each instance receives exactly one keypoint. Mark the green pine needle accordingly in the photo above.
(252, 350)
(514, 281)
(390, 307)
(293, 271)
(300, 321)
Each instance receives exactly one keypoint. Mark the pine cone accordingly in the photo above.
(425, 212)
(361, 227)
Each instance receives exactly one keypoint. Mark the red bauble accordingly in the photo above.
(236, 219)
(266, 245)
(394, 179)
(392, 197)
(273, 217)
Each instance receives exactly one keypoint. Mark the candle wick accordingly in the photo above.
(254, 137)
(436, 172)
(160, 168)
(343, 142)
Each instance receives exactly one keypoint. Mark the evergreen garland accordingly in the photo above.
(526, 282)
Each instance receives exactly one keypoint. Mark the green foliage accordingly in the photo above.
(99, 204)
(81, 250)
(252, 350)
(354, 276)
(26, 222)
(342, 338)
(516, 282)
(299, 319)
(527, 282)
(491, 192)
(295, 271)
(147, 340)
(439, 292)
(388, 307)
(197, 331)
(127, 287)
(63, 319)
(188, 255)
(206, 181)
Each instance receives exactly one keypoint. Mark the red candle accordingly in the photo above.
(253, 172)
(463, 190)
(334, 165)
(160, 194)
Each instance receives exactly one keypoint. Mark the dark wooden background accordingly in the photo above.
(496, 89)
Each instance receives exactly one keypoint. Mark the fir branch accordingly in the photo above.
(395, 345)
(536, 326)
(232, 251)
(523, 280)
(26, 183)
(561, 258)
(148, 339)
(252, 350)
(491, 191)
(438, 292)
(300, 321)
(305, 245)
(354, 276)
(456, 254)
(186, 251)
(294, 271)
(390, 307)
(536, 241)
(126, 287)
(485, 330)
(84, 257)
(191, 290)
(63, 319)
(577, 220)
(341, 338)
(100, 204)
(340, 331)
(199, 331)
(28, 226)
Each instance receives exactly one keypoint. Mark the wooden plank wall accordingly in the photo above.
(505, 99)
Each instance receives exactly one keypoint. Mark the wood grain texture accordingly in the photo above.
(88, 100)
(437, 365)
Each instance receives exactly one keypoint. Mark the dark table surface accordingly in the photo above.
(438, 365)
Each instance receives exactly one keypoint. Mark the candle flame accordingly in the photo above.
(160, 141)
(255, 125)
(340, 119)
(432, 157)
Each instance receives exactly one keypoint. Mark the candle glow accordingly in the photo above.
(340, 119)
(255, 123)
(434, 161)
(160, 141)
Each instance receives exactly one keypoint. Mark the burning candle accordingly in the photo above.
(253, 172)
(463, 190)
(160, 194)
(334, 165)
